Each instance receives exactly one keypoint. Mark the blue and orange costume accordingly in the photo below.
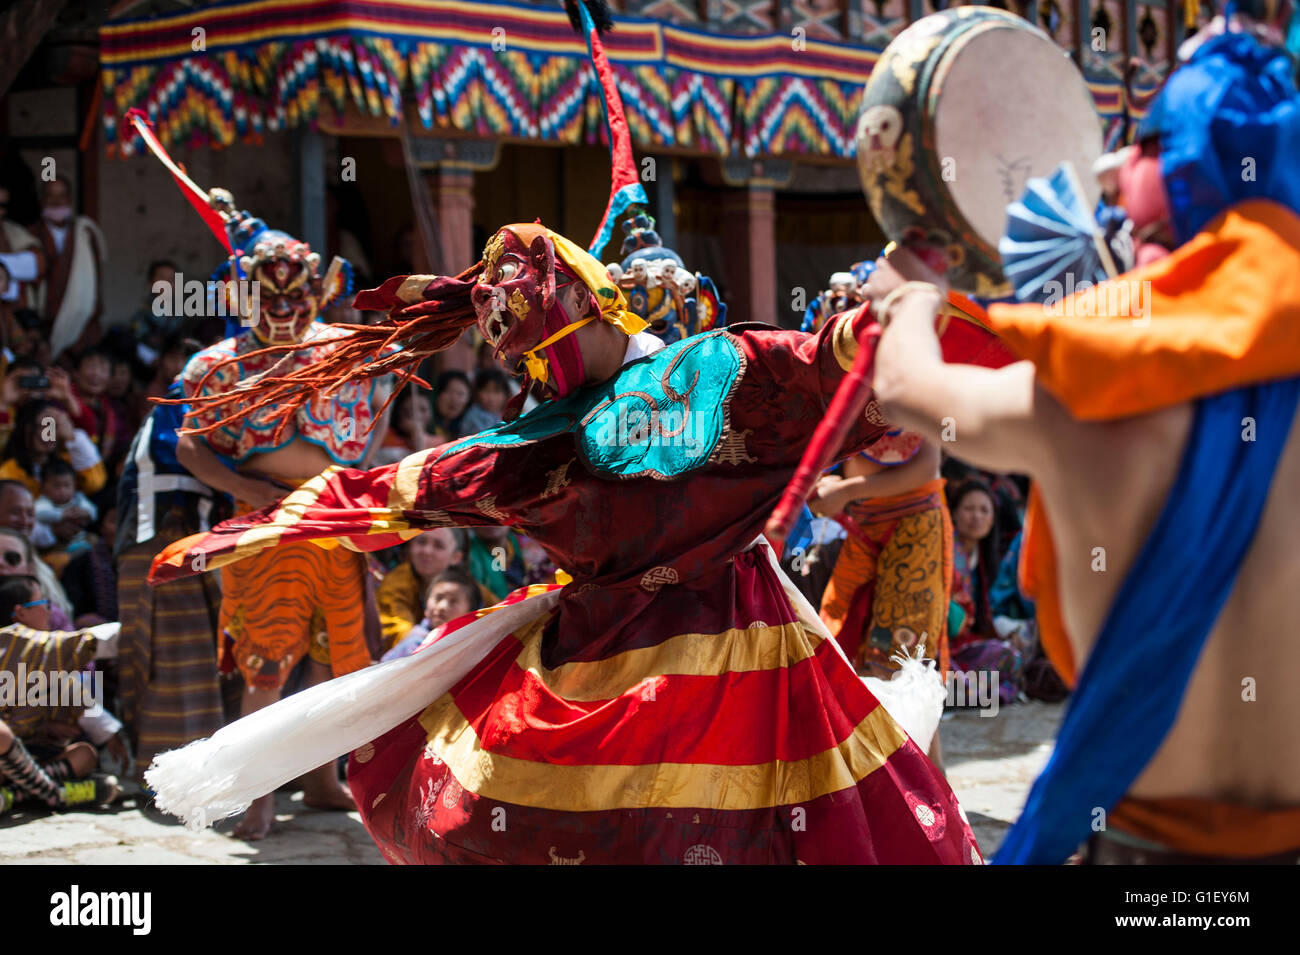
(1232, 355)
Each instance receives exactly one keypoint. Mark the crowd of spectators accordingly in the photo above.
(75, 390)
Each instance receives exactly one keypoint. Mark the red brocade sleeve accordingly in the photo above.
(369, 510)
(789, 382)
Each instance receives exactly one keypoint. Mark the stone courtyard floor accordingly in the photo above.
(990, 761)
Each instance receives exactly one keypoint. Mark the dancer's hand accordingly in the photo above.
(830, 495)
(892, 271)
(258, 494)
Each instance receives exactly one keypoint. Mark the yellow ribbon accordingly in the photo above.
(537, 365)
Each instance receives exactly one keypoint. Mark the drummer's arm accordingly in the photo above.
(994, 419)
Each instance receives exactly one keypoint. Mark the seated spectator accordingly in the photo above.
(61, 503)
(401, 595)
(453, 594)
(490, 396)
(63, 782)
(408, 431)
(90, 578)
(175, 352)
(975, 644)
(486, 360)
(19, 376)
(93, 409)
(496, 559)
(44, 750)
(451, 395)
(123, 396)
(42, 431)
(17, 517)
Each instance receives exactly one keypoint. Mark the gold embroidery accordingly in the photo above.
(560, 860)
(873, 414)
(436, 518)
(488, 505)
(731, 450)
(657, 577)
(557, 479)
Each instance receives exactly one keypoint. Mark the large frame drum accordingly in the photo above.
(961, 109)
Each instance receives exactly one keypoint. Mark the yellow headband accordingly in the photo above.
(613, 306)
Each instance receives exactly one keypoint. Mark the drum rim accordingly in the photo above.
(982, 260)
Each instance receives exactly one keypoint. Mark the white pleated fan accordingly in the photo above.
(1051, 237)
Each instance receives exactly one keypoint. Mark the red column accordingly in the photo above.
(749, 253)
(453, 200)
(452, 190)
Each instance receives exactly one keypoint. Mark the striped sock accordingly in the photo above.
(58, 770)
(26, 775)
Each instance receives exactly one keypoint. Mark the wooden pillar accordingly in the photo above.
(1082, 30)
(749, 253)
(1131, 48)
(664, 196)
(452, 189)
(309, 198)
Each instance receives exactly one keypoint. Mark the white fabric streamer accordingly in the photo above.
(914, 697)
(213, 778)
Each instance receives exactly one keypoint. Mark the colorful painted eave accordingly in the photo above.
(485, 68)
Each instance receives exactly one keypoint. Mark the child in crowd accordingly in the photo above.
(491, 394)
(453, 594)
(61, 501)
(401, 595)
(92, 408)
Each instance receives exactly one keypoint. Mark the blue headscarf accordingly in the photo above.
(1228, 121)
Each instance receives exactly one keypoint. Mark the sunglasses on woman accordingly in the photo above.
(14, 558)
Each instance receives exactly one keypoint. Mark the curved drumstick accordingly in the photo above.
(846, 405)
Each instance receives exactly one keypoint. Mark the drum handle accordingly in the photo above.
(1098, 240)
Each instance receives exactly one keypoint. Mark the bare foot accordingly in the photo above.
(257, 820)
(326, 796)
